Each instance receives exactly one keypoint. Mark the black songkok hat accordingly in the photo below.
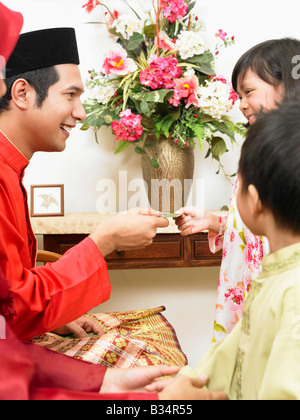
(45, 48)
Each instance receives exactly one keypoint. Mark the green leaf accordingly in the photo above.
(108, 119)
(85, 127)
(140, 151)
(121, 146)
(150, 31)
(224, 129)
(218, 147)
(208, 153)
(191, 6)
(154, 163)
(144, 107)
(166, 124)
(150, 144)
(114, 31)
(135, 41)
(205, 62)
(159, 95)
(199, 132)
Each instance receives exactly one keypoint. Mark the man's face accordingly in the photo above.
(49, 126)
(2, 87)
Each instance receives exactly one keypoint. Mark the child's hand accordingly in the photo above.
(184, 388)
(193, 220)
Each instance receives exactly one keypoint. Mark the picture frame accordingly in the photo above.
(47, 200)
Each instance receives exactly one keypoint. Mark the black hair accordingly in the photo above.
(274, 61)
(270, 160)
(40, 80)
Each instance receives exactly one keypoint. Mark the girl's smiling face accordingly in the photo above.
(257, 95)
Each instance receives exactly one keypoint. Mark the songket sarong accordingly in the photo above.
(130, 339)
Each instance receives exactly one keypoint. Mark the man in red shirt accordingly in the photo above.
(41, 106)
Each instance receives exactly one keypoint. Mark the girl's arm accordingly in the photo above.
(193, 220)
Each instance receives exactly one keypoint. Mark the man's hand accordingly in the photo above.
(81, 328)
(134, 379)
(193, 220)
(134, 229)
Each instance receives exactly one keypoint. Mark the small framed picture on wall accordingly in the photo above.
(47, 200)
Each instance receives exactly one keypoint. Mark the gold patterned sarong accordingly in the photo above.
(131, 339)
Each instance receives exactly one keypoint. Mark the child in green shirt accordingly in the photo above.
(260, 358)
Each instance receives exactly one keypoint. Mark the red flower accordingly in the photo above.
(129, 128)
(91, 4)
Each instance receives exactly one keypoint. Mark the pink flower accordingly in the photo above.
(221, 34)
(91, 4)
(174, 9)
(186, 87)
(161, 72)
(233, 96)
(235, 297)
(178, 95)
(117, 62)
(165, 42)
(109, 19)
(129, 128)
(253, 251)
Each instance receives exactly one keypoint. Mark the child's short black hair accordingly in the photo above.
(270, 160)
(274, 61)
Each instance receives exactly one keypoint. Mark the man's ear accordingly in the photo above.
(21, 93)
(256, 205)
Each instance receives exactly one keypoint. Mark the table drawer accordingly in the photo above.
(160, 249)
(200, 250)
(167, 251)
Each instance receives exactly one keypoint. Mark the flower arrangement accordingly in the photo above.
(160, 79)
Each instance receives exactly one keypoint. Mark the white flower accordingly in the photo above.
(189, 72)
(214, 99)
(189, 43)
(126, 25)
(104, 90)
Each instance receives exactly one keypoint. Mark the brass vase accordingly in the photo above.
(169, 185)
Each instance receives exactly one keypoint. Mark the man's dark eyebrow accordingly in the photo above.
(76, 88)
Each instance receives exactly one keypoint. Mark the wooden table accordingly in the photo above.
(168, 250)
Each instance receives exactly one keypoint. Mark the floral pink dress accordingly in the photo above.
(242, 254)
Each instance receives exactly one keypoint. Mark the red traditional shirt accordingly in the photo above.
(30, 372)
(53, 295)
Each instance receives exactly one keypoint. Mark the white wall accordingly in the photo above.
(189, 294)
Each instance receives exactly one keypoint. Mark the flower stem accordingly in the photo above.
(157, 13)
(107, 8)
(125, 1)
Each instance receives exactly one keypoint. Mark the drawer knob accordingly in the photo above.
(120, 252)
